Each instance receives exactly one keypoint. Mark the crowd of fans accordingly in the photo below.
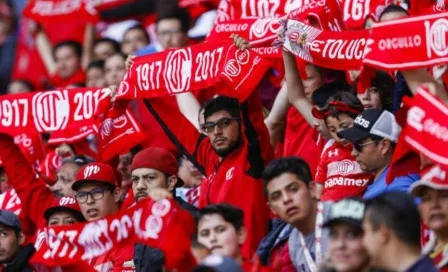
(305, 174)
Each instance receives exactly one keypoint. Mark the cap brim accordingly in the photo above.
(2, 222)
(353, 134)
(79, 183)
(418, 186)
(343, 220)
(48, 212)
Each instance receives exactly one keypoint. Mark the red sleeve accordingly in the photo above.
(181, 132)
(321, 173)
(124, 259)
(33, 193)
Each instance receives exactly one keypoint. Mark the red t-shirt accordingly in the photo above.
(300, 140)
(78, 77)
(340, 174)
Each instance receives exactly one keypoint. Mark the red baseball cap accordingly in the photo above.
(95, 171)
(159, 159)
(434, 177)
(65, 204)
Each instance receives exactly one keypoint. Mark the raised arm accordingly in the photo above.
(275, 122)
(45, 49)
(296, 93)
(189, 107)
(415, 78)
(87, 46)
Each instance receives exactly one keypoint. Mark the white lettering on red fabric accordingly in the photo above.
(416, 120)
(340, 49)
(95, 239)
(48, 8)
(333, 153)
(14, 113)
(400, 42)
(262, 26)
(229, 173)
(436, 37)
(356, 9)
(294, 11)
(106, 128)
(120, 121)
(231, 28)
(346, 167)
(339, 181)
(90, 170)
(121, 226)
(51, 110)
(66, 201)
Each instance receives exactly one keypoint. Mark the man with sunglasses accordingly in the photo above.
(232, 158)
(374, 136)
(98, 196)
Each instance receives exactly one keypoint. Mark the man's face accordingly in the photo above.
(289, 198)
(9, 244)
(17, 87)
(67, 62)
(224, 140)
(170, 35)
(144, 180)
(115, 69)
(189, 173)
(372, 240)
(133, 40)
(393, 16)
(219, 236)
(62, 218)
(103, 50)
(124, 164)
(97, 201)
(434, 209)
(335, 125)
(65, 178)
(95, 78)
(370, 158)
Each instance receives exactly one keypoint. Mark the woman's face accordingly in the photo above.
(115, 70)
(347, 252)
(313, 81)
(371, 99)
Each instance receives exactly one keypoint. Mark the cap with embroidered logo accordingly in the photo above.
(64, 204)
(376, 122)
(96, 171)
(349, 211)
(433, 177)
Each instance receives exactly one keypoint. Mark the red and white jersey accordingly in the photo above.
(340, 174)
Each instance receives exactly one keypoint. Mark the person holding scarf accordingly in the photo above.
(432, 189)
(338, 174)
(98, 195)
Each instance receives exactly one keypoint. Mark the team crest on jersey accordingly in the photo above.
(229, 173)
(346, 167)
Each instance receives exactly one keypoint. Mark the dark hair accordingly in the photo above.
(178, 13)
(114, 43)
(76, 46)
(324, 92)
(344, 97)
(293, 165)
(385, 85)
(231, 214)
(79, 160)
(25, 82)
(398, 212)
(96, 64)
(392, 9)
(219, 103)
(141, 28)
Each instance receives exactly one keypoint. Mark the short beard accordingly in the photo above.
(226, 151)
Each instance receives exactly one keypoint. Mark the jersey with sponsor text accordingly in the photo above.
(340, 174)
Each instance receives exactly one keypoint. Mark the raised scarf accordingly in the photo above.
(45, 11)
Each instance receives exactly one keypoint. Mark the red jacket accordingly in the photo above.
(235, 180)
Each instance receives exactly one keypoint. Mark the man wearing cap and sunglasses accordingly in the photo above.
(432, 189)
(98, 196)
(374, 136)
(154, 171)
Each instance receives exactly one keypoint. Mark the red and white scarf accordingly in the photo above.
(193, 68)
(162, 224)
(427, 127)
(45, 11)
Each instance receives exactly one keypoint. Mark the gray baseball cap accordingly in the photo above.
(9, 219)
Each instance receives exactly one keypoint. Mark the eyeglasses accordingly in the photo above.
(96, 194)
(358, 146)
(222, 123)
